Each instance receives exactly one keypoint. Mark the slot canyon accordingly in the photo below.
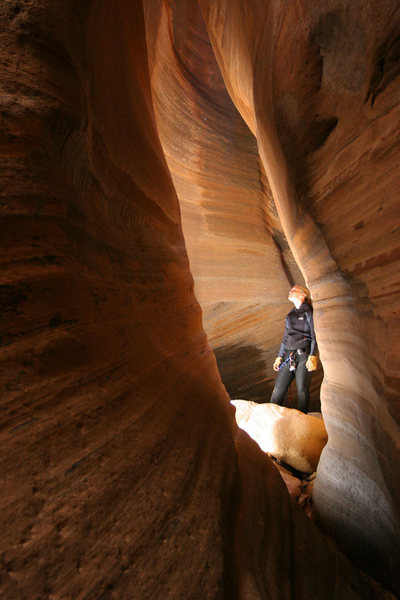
(169, 169)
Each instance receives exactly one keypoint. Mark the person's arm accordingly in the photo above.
(284, 339)
(312, 361)
(279, 358)
(314, 346)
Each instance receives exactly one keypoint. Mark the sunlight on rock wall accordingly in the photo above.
(124, 473)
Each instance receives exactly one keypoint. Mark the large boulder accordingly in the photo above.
(287, 434)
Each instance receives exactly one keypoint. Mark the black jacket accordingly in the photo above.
(299, 331)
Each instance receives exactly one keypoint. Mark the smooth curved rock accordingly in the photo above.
(305, 109)
(240, 260)
(123, 472)
(288, 435)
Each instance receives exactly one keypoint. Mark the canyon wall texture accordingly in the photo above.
(232, 234)
(322, 98)
(124, 474)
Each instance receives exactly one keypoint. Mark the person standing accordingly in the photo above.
(297, 354)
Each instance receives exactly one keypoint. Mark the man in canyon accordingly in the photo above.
(296, 356)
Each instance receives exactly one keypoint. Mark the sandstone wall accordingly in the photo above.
(124, 475)
(239, 257)
(322, 98)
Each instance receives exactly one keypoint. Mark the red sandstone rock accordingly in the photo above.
(321, 138)
(239, 258)
(123, 472)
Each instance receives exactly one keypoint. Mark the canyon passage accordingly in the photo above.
(169, 170)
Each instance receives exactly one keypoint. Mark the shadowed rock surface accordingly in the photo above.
(267, 135)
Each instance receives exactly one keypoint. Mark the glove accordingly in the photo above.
(312, 363)
(277, 363)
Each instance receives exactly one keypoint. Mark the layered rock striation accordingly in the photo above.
(306, 123)
(240, 260)
(124, 473)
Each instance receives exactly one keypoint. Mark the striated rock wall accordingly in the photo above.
(112, 406)
(124, 474)
(240, 260)
(322, 135)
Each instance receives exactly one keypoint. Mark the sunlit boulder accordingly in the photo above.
(287, 434)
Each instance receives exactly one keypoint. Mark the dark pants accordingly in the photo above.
(285, 378)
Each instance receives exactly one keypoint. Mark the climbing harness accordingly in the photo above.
(289, 361)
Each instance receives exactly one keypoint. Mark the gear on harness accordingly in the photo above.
(289, 361)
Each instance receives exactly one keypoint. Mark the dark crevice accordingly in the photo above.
(243, 372)
(386, 66)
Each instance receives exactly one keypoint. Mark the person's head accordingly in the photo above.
(298, 294)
